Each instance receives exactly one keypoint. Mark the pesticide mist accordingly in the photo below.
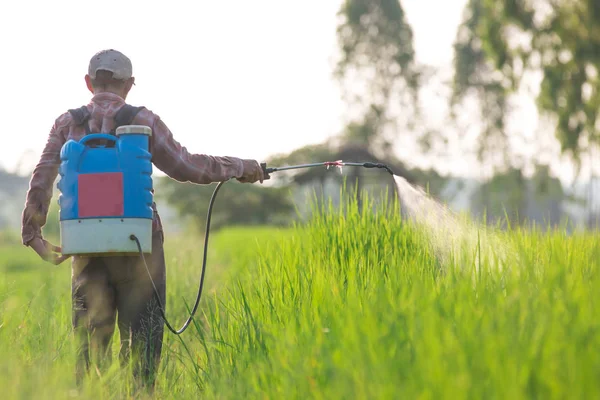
(448, 233)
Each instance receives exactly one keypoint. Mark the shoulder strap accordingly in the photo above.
(126, 115)
(80, 116)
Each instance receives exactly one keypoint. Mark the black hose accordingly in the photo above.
(199, 295)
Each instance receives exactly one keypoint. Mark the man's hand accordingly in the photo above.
(252, 172)
(47, 251)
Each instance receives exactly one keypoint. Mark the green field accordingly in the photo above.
(349, 305)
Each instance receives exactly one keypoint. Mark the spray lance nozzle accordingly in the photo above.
(378, 165)
(327, 164)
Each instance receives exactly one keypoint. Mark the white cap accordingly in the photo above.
(136, 129)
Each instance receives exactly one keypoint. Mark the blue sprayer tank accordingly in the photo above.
(106, 193)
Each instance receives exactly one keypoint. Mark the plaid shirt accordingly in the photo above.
(167, 154)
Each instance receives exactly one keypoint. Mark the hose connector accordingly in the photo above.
(378, 165)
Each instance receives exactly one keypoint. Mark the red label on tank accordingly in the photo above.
(101, 195)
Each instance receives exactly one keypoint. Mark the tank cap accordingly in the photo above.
(136, 129)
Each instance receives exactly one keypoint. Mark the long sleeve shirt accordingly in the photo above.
(168, 155)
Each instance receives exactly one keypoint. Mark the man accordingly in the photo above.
(103, 287)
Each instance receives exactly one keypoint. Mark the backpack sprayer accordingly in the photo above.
(107, 196)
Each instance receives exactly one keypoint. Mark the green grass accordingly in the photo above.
(349, 305)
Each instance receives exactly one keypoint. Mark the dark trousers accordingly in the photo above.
(116, 290)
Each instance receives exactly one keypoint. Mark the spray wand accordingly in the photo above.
(266, 172)
(327, 164)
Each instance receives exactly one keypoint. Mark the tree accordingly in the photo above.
(503, 41)
(511, 195)
(236, 203)
(378, 73)
(476, 74)
(376, 68)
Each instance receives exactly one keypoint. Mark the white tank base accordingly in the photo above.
(105, 236)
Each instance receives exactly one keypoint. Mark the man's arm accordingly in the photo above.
(175, 161)
(40, 187)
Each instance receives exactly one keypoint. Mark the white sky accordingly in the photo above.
(240, 78)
